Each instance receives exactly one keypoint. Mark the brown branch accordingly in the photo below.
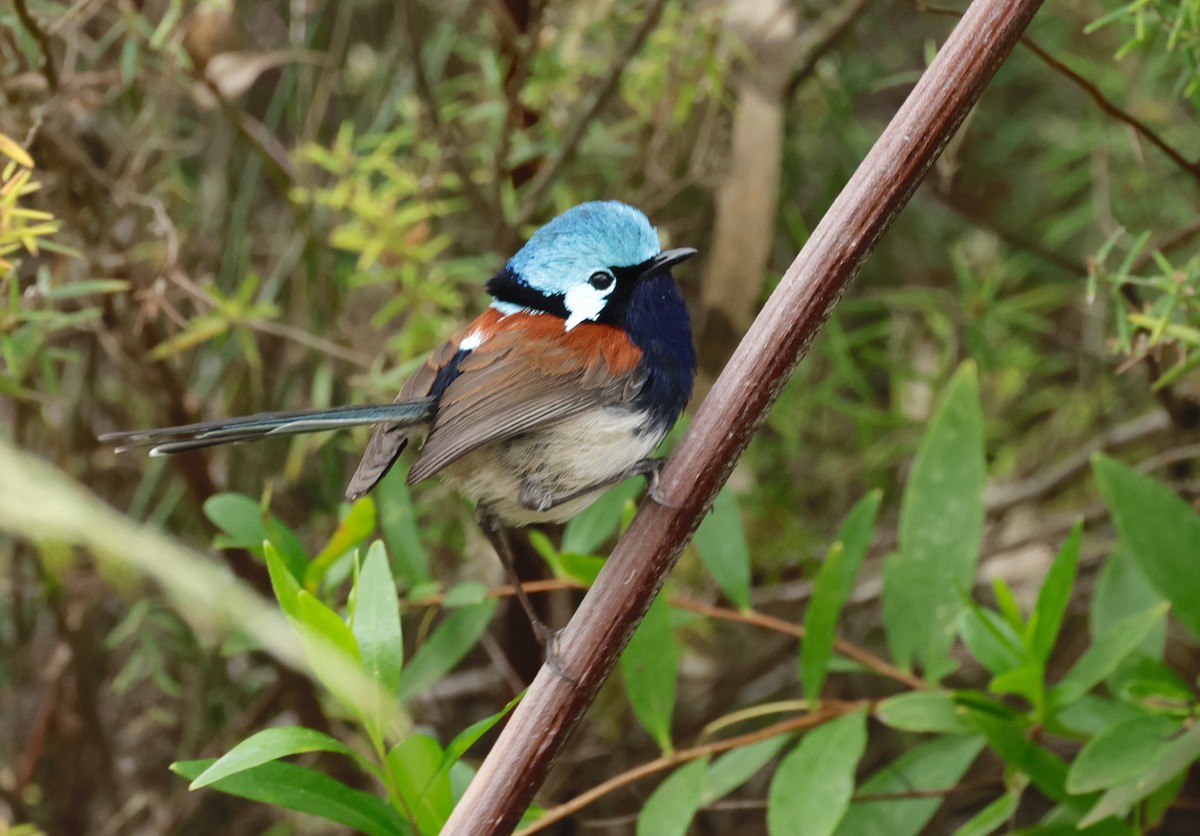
(49, 70)
(847, 649)
(1093, 92)
(589, 646)
(1113, 110)
(828, 711)
(546, 178)
(751, 617)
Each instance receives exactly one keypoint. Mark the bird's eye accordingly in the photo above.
(601, 280)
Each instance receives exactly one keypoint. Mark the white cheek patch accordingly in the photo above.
(584, 302)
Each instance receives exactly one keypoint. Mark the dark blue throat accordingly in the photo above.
(656, 320)
(652, 313)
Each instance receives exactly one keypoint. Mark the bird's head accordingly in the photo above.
(584, 264)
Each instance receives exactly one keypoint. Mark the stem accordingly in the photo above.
(588, 648)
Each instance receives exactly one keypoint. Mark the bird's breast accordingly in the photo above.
(568, 456)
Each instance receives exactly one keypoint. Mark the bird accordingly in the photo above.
(564, 386)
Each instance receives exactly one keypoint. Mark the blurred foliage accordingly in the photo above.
(227, 207)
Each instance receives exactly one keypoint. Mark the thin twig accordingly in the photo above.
(540, 185)
(49, 70)
(829, 711)
(847, 649)
(1094, 92)
(751, 617)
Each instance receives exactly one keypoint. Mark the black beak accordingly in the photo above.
(667, 259)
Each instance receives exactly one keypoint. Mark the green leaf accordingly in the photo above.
(1122, 590)
(992, 817)
(922, 711)
(265, 746)
(735, 768)
(992, 640)
(398, 522)
(445, 648)
(941, 525)
(1053, 596)
(1161, 531)
(1121, 753)
(332, 651)
(282, 581)
(1007, 737)
(930, 766)
(811, 790)
(671, 807)
(415, 765)
(465, 594)
(834, 583)
(721, 540)
(650, 666)
(240, 517)
(306, 791)
(1179, 756)
(376, 628)
(588, 530)
(1106, 653)
(467, 738)
(246, 526)
(355, 527)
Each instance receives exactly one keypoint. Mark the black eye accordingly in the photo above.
(601, 281)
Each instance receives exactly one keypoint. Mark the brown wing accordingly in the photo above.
(514, 383)
(389, 441)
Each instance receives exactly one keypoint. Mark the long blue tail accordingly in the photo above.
(166, 441)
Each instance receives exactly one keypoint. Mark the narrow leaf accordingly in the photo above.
(1106, 653)
(1179, 756)
(398, 522)
(721, 540)
(671, 807)
(941, 524)
(1055, 593)
(930, 766)
(414, 764)
(1121, 753)
(306, 791)
(834, 583)
(1007, 737)
(922, 711)
(265, 746)
(992, 817)
(377, 620)
(811, 790)
(735, 768)
(450, 642)
(352, 531)
(1161, 530)
(649, 666)
(1122, 590)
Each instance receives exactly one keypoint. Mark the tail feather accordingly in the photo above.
(167, 441)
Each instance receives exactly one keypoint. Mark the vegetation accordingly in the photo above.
(950, 588)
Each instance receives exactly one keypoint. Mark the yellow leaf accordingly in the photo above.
(10, 148)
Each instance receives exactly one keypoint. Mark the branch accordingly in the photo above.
(599, 98)
(1094, 92)
(35, 32)
(829, 711)
(589, 646)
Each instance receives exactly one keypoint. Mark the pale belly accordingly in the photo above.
(588, 449)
